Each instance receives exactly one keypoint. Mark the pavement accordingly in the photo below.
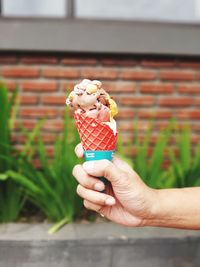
(97, 244)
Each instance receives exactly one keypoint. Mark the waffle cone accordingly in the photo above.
(94, 134)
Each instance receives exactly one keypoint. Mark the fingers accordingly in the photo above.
(79, 151)
(95, 197)
(117, 172)
(121, 164)
(103, 168)
(91, 206)
(87, 181)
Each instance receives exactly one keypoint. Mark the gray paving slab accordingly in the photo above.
(97, 245)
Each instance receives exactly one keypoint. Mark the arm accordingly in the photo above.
(128, 201)
(178, 208)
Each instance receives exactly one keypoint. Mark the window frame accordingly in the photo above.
(93, 36)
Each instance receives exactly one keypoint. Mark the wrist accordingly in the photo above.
(154, 218)
(164, 212)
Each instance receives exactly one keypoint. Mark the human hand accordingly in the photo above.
(126, 199)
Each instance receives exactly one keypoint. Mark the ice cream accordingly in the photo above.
(90, 100)
(94, 110)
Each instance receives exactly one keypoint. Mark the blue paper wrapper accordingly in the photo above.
(99, 155)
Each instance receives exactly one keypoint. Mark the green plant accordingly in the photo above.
(185, 167)
(11, 197)
(52, 187)
(150, 166)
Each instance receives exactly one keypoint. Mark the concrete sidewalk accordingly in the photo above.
(95, 245)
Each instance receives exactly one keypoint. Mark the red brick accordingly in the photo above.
(36, 163)
(159, 114)
(117, 62)
(110, 87)
(14, 139)
(95, 73)
(68, 86)
(189, 88)
(137, 100)
(61, 113)
(152, 141)
(10, 85)
(47, 138)
(189, 64)
(39, 60)
(161, 125)
(197, 127)
(125, 114)
(197, 102)
(61, 73)
(141, 125)
(38, 112)
(4, 59)
(158, 63)
(28, 124)
(28, 100)
(132, 125)
(187, 114)
(126, 137)
(125, 126)
(148, 88)
(53, 125)
(176, 75)
(130, 151)
(50, 151)
(18, 147)
(138, 75)
(119, 87)
(176, 101)
(21, 72)
(21, 139)
(53, 100)
(195, 139)
(79, 61)
(37, 86)
(197, 75)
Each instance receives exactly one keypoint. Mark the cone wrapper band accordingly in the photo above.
(94, 134)
(98, 155)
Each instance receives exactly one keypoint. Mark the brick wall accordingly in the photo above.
(164, 87)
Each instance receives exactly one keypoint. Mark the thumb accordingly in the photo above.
(104, 168)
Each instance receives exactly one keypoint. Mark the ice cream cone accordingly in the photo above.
(94, 112)
(98, 139)
(94, 134)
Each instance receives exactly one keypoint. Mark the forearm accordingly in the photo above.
(178, 208)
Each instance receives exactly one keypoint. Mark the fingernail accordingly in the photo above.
(88, 166)
(110, 201)
(99, 186)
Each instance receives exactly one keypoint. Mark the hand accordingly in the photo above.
(126, 199)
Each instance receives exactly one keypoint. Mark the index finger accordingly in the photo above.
(79, 151)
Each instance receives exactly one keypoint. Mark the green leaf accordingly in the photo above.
(185, 147)
(3, 176)
(59, 225)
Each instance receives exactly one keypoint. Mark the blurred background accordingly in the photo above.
(146, 53)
